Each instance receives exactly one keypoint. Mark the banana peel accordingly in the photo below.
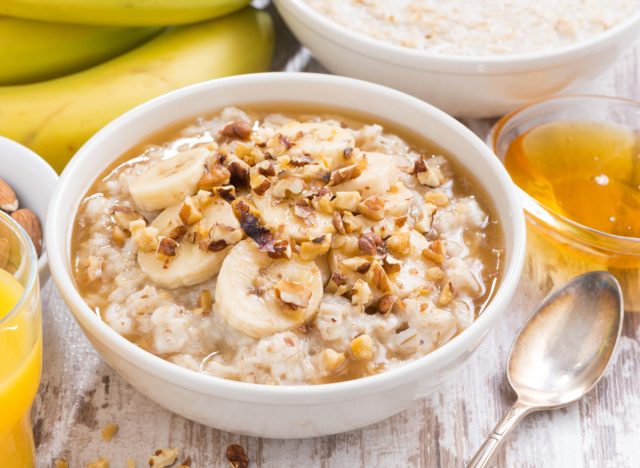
(54, 118)
(121, 12)
(33, 51)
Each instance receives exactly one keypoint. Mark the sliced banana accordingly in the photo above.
(169, 181)
(281, 214)
(381, 173)
(321, 141)
(260, 296)
(398, 200)
(192, 263)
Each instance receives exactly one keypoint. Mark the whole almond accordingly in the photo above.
(8, 198)
(30, 223)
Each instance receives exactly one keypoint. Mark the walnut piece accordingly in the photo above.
(436, 198)
(314, 248)
(386, 303)
(236, 456)
(361, 293)
(332, 360)
(346, 201)
(99, 463)
(163, 458)
(446, 294)
(435, 252)
(167, 247)
(109, 431)
(399, 243)
(146, 238)
(348, 172)
(237, 130)
(372, 208)
(189, 213)
(362, 347)
(292, 293)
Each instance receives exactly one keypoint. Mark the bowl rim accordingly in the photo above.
(378, 49)
(280, 394)
(496, 131)
(44, 169)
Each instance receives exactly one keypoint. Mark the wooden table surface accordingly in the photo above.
(80, 393)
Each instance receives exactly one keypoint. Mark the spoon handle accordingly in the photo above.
(494, 440)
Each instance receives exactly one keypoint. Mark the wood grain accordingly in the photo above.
(80, 394)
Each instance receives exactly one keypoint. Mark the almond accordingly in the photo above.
(8, 198)
(31, 224)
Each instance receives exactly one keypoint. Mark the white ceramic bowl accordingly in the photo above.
(465, 86)
(33, 180)
(281, 411)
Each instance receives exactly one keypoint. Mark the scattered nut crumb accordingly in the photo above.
(131, 463)
(236, 456)
(109, 431)
(164, 457)
(99, 463)
(60, 463)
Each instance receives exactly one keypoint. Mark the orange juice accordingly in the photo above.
(20, 366)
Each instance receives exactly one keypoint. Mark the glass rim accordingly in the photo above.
(28, 257)
(496, 132)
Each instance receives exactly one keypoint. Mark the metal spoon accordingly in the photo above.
(562, 351)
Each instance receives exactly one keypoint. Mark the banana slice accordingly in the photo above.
(169, 181)
(398, 200)
(192, 264)
(260, 296)
(277, 213)
(381, 173)
(321, 141)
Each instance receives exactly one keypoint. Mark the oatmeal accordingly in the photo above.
(282, 248)
(466, 27)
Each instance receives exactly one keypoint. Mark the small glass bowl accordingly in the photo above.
(615, 251)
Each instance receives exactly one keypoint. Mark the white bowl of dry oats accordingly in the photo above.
(286, 255)
(469, 58)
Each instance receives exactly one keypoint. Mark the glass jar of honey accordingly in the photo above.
(576, 163)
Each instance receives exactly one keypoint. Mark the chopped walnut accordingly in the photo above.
(146, 238)
(399, 243)
(346, 201)
(368, 243)
(239, 171)
(435, 252)
(425, 218)
(118, 236)
(237, 130)
(362, 347)
(227, 192)
(189, 212)
(288, 187)
(292, 293)
(259, 183)
(337, 223)
(205, 303)
(372, 208)
(446, 294)
(351, 222)
(236, 456)
(391, 264)
(437, 198)
(94, 268)
(125, 215)
(163, 458)
(377, 277)
(348, 172)
(357, 264)
(434, 274)
(266, 169)
(361, 293)
(323, 204)
(314, 248)
(278, 144)
(215, 176)
(332, 360)
(221, 236)
(431, 176)
(60, 463)
(109, 431)
(167, 247)
(386, 303)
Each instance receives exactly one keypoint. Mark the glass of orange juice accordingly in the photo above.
(20, 344)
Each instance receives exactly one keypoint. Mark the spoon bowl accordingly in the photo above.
(564, 348)
(562, 351)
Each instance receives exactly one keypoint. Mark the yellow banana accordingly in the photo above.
(35, 51)
(54, 118)
(120, 12)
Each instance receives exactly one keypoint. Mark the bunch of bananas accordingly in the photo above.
(68, 67)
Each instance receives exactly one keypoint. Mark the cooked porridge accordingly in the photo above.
(282, 248)
(468, 27)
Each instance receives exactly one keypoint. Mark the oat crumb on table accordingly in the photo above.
(60, 463)
(109, 431)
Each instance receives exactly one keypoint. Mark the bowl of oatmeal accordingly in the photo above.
(285, 255)
(471, 59)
